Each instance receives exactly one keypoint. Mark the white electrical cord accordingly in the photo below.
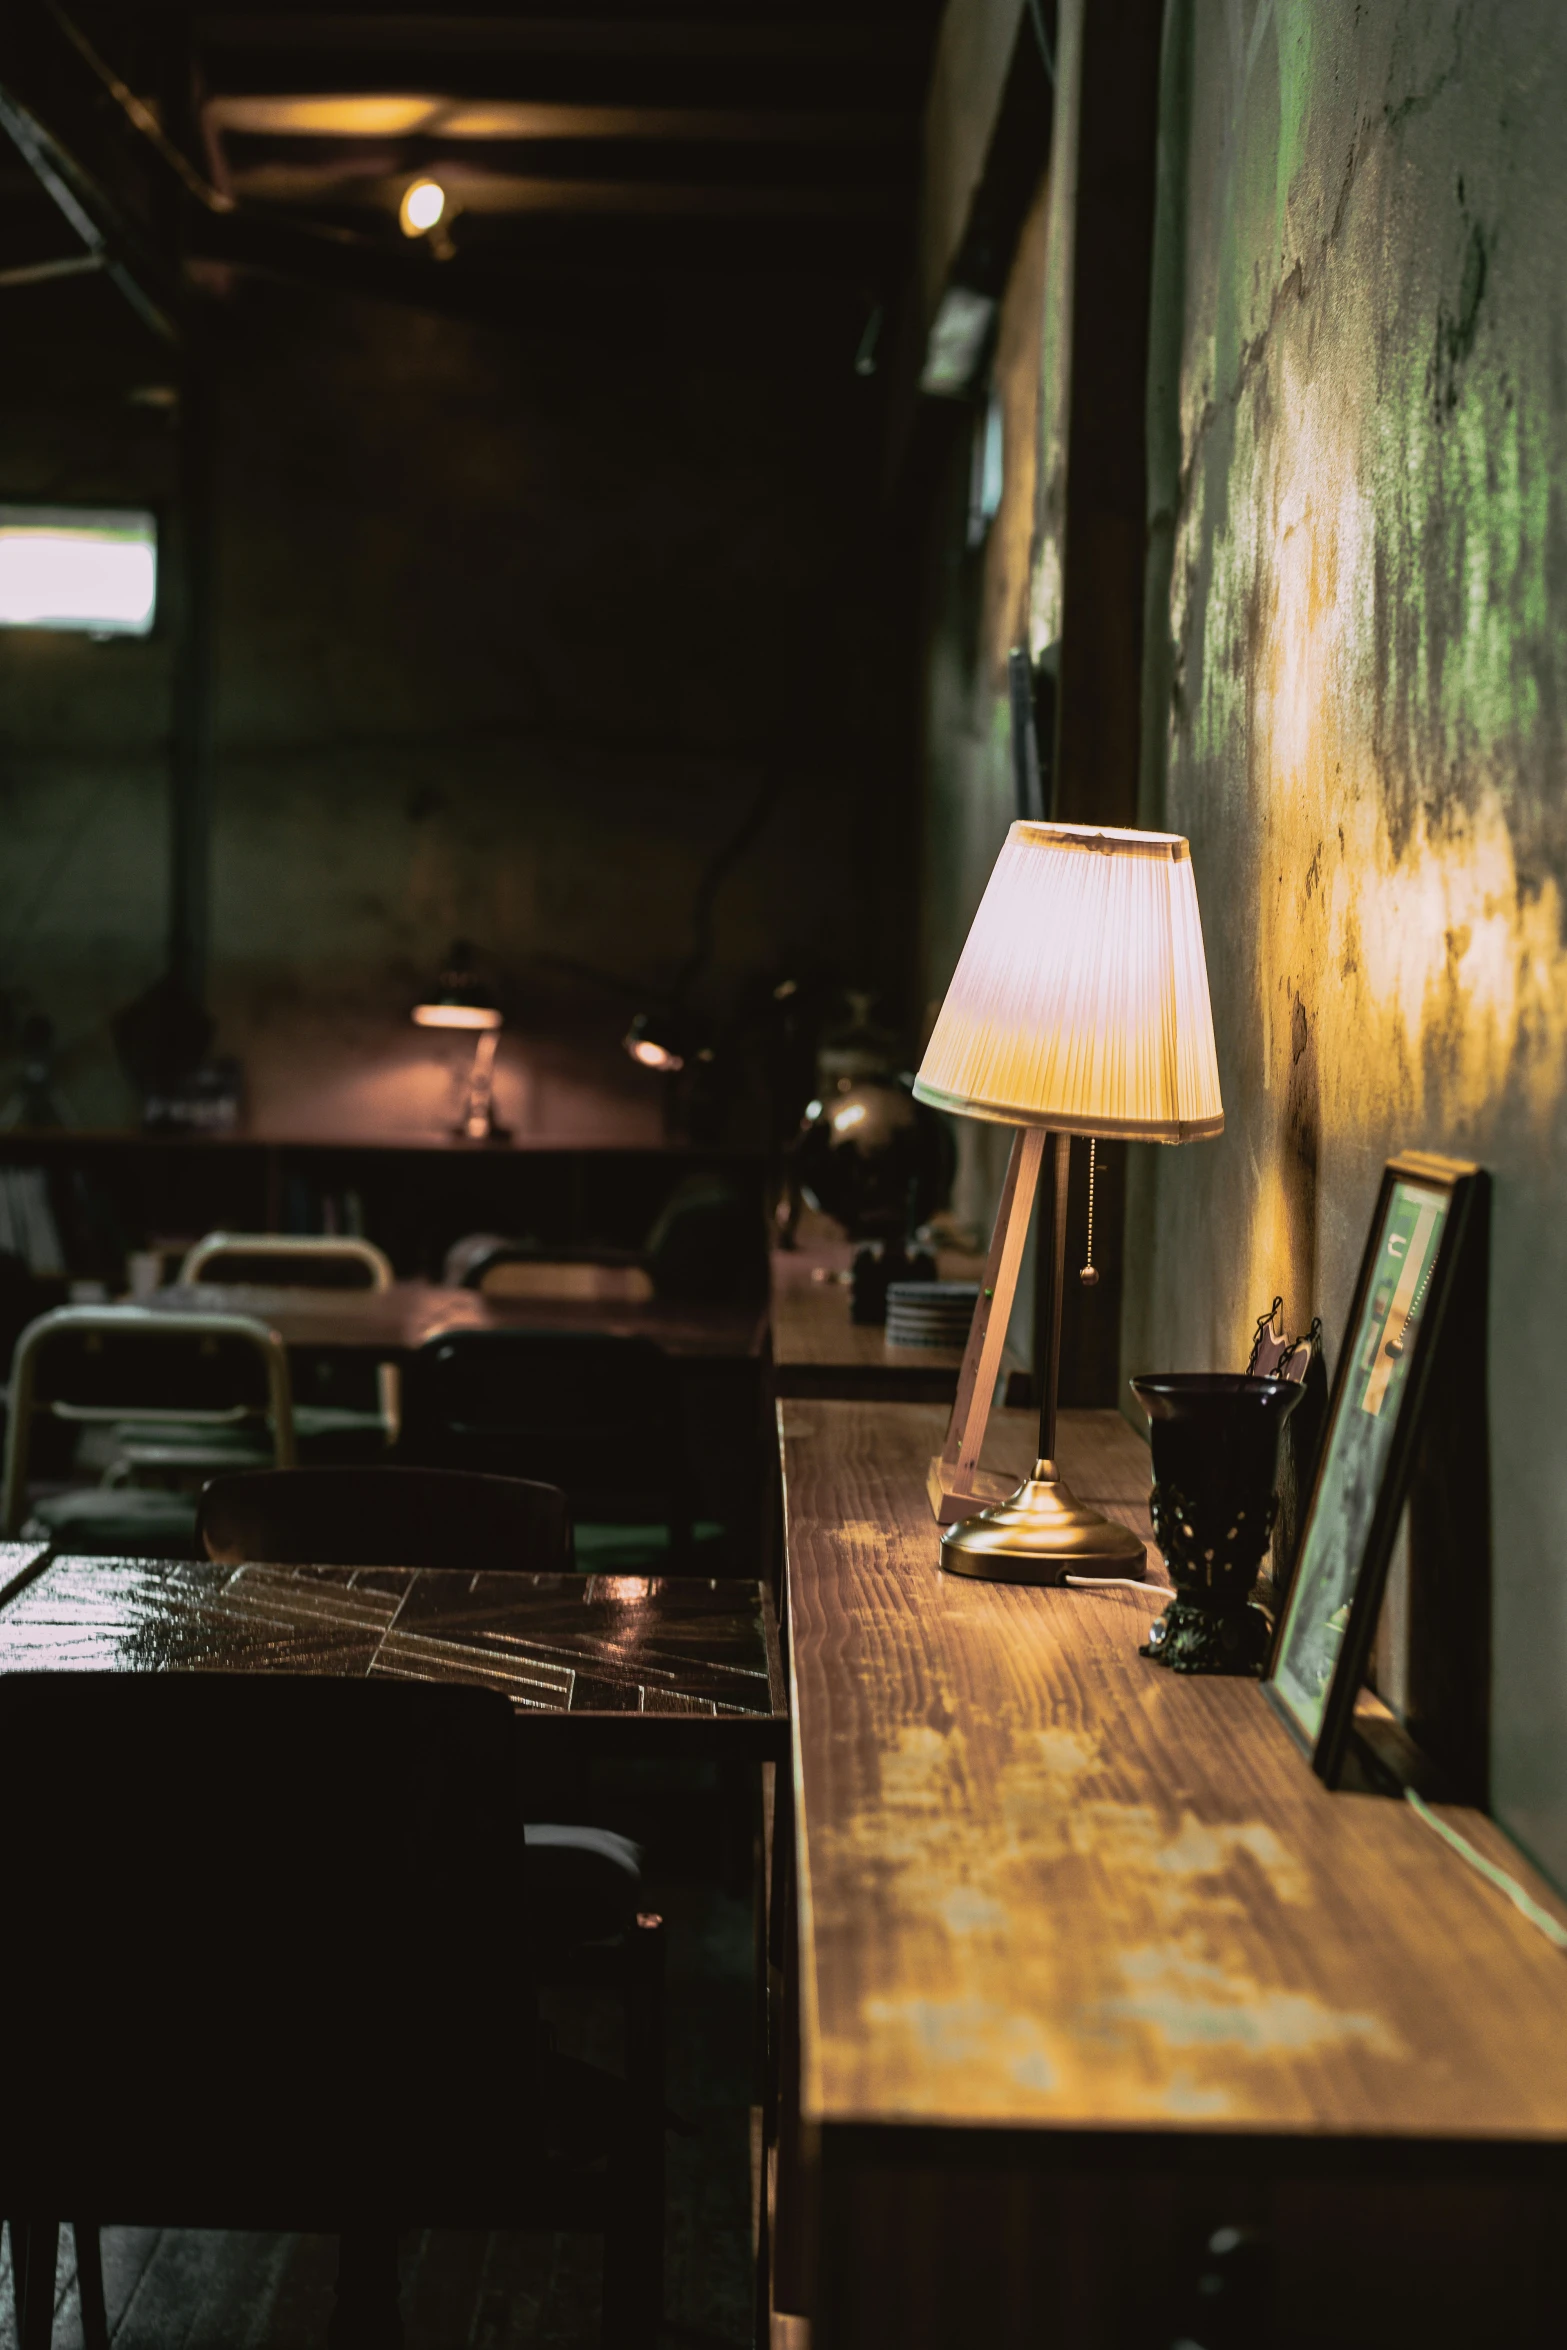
(1114, 1583)
(1515, 1893)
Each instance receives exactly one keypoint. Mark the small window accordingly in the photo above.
(986, 476)
(90, 570)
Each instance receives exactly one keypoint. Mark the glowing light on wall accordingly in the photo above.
(66, 567)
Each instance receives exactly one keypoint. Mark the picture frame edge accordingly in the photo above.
(1327, 1752)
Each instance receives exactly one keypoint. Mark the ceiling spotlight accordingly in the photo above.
(421, 207)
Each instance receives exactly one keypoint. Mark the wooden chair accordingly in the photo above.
(216, 1385)
(348, 1410)
(284, 1992)
(521, 1268)
(597, 1414)
(356, 1517)
(590, 1878)
(587, 1923)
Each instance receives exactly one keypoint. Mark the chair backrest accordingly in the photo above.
(372, 1517)
(708, 1243)
(287, 1874)
(596, 1414)
(561, 1277)
(527, 1268)
(270, 1260)
(110, 1363)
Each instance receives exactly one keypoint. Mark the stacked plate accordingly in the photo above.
(930, 1313)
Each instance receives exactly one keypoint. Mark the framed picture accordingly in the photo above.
(1326, 1628)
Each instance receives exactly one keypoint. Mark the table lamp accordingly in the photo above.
(1079, 1006)
(463, 1001)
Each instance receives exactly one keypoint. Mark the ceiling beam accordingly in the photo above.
(515, 192)
(145, 281)
(382, 116)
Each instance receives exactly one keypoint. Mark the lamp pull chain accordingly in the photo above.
(1088, 1276)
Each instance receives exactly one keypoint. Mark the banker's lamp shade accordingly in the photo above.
(1080, 1001)
(459, 999)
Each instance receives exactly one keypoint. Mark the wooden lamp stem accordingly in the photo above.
(956, 1481)
(1047, 1402)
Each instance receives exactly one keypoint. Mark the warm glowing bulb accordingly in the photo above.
(656, 1056)
(421, 207)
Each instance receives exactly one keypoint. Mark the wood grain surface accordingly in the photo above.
(397, 1321)
(1045, 1883)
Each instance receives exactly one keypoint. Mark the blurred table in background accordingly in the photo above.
(717, 1350)
(818, 1350)
(398, 1321)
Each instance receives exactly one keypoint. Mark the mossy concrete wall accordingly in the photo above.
(514, 627)
(1362, 658)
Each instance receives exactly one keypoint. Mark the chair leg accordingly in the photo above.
(43, 2252)
(634, 2245)
(89, 2285)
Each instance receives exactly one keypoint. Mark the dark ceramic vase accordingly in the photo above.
(1215, 1437)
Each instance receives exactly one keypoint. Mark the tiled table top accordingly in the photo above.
(661, 1661)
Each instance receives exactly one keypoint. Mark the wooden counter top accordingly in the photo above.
(398, 1321)
(1047, 1885)
(818, 1350)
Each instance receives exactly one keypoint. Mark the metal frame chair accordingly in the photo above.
(306, 1249)
(155, 1328)
(321, 1248)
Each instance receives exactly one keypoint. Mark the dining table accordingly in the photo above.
(393, 1323)
(638, 1663)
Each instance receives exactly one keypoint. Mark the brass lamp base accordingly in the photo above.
(1041, 1534)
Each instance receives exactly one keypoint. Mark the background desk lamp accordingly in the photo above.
(460, 1000)
(1079, 1006)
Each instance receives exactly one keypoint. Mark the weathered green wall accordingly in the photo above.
(1367, 709)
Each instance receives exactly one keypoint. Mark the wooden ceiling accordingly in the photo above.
(734, 138)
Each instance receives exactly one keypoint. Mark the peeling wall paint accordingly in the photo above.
(1366, 723)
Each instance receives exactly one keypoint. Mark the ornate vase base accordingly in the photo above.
(1193, 1639)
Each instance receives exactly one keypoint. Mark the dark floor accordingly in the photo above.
(177, 2290)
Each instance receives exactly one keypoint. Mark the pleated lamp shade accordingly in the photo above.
(1080, 1001)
